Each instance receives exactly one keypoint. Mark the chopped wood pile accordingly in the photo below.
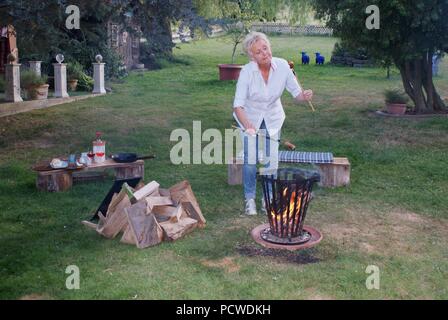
(148, 214)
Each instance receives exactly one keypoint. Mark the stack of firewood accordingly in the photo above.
(148, 214)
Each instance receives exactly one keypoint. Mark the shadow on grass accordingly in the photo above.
(283, 256)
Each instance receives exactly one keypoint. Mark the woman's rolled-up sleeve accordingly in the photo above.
(242, 88)
(292, 85)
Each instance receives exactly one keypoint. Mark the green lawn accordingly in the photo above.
(394, 215)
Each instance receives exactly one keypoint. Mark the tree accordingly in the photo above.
(410, 33)
(237, 16)
(294, 11)
(156, 18)
(42, 32)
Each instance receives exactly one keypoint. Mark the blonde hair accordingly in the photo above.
(251, 39)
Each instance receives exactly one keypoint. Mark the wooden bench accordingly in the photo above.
(56, 180)
(335, 174)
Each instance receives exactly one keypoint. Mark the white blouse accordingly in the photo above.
(262, 101)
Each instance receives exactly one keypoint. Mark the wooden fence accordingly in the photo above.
(283, 28)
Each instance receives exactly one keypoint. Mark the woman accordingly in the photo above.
(257, 106)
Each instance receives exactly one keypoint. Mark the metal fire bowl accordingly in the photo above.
(316, 237)
(302, 238)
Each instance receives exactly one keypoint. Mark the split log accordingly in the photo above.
(174, 231)
(145, 228)
(158, 201)
(89, 224)
(140, 185)
(129, 190)
(118, 203)
(146, 191)
(169, 213)
(155, 194)
(164, 192)
(115, 220)
(163, 211)
(137, 195)
(191, 212)
(182, 192)
(179, 214)
(128, 236)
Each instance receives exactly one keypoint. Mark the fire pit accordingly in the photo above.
(287, 194)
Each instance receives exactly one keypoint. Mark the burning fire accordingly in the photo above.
(289, 215)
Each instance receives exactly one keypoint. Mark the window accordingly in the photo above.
(114, 36)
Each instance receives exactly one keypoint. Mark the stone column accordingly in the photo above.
(35, 66)
(60, 80)
(12, 90)
(98, 77)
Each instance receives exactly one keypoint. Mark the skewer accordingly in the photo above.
(291, 65)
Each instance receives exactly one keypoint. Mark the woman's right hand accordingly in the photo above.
(242, 118)
(251, 131)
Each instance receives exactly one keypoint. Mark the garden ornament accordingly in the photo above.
(60, 58)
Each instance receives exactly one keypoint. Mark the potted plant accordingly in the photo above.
(236, 22)
(235, 34)
(396, 101)
(75, 72)
(35, 86)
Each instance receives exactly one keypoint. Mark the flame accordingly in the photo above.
(289, 216)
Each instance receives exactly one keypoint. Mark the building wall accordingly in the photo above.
(126, 44)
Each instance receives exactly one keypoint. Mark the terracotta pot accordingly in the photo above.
(72, 84)
(38, 92)
(396, 108)
(229, 71)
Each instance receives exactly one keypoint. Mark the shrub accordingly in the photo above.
(75, 70)
(342, 50)
(338, 50)
(85, 82)
(30, 82)
(395, 96)
(29, 79)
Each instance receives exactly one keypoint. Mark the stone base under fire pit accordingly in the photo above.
(316, 237)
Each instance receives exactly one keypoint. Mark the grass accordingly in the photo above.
(393, 215)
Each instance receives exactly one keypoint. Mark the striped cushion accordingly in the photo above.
(305, 157)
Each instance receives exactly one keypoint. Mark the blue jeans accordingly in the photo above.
(252, 147)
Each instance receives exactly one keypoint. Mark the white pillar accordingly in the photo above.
(36, 67)
(98, 77)
(12, 90)
(60, 80)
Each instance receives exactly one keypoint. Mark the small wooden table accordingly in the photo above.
(56, 180)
